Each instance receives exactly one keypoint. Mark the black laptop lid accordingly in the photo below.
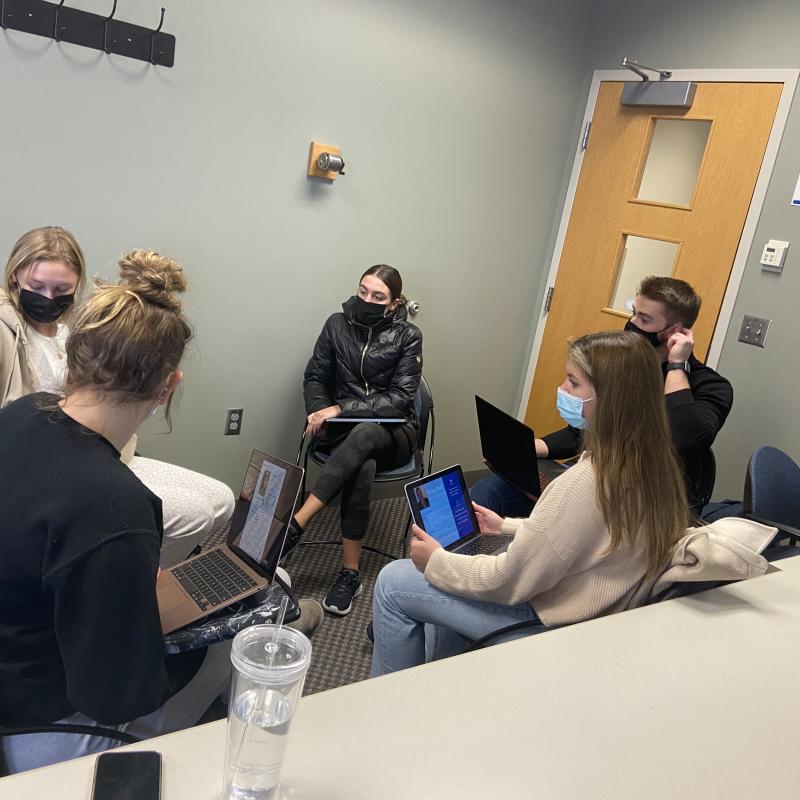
(509, 446)
(263, 510)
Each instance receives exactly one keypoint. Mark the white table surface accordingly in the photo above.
(693, 698)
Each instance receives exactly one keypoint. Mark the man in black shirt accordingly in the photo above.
(698, 400)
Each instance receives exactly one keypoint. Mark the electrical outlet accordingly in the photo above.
(233, 421)
(754, 330)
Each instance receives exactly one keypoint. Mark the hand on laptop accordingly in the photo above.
(317, 419)
(422, 547)
(488, 521)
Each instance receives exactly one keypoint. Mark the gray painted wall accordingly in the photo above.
(735, 34)
(206, 162)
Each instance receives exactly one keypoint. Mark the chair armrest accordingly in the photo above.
(302, 442)
(64, 727)
(788, 530)
(517, 626)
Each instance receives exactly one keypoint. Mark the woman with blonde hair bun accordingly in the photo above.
(80, 535)
(44, 274)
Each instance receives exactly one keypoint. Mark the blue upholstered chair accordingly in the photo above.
(772, 494)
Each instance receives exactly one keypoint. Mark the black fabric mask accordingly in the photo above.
(368, 314)
(44, 309)
(651, 336)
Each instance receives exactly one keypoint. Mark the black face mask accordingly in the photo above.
(44, 309)
(368, 314)
(651, 336)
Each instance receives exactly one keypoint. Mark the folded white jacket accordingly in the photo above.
(726, 550)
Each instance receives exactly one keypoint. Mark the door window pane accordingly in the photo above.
(641, 257)
(673, 161)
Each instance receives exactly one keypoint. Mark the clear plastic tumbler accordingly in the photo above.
(269, 671)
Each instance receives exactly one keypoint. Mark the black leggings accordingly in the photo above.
(351, 468)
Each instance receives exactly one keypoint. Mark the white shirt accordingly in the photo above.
(48, 359)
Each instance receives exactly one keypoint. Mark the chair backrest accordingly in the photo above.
(772, 486)
(423, 405)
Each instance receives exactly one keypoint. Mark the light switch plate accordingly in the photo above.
(754, 330)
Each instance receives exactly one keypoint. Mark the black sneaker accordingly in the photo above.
(346, 587)
(293, 537)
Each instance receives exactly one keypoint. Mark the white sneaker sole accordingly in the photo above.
(343, 612)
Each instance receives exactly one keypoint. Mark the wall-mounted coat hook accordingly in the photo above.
(63, 23)
(154, 58)
(56, 30)
(105, 29)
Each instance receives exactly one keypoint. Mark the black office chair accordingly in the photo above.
(417, 467)
(772, 497)
(62, 727)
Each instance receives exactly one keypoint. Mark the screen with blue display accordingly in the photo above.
(442, 506)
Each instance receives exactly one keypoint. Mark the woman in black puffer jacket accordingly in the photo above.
(367, 362)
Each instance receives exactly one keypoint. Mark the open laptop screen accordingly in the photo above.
(263, 510)
(441, 506)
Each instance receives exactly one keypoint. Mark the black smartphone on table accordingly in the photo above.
(127, 776)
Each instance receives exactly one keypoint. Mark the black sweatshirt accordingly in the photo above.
(79, 545)
(695, 416)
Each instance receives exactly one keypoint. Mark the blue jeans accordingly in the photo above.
(501, 497)
(414, 622)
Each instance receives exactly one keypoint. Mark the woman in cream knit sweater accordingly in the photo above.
(597, 532)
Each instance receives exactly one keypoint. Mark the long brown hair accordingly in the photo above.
(640, 486)
(130, 336)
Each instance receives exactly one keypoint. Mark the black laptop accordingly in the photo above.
(441, 506)
(509, 449)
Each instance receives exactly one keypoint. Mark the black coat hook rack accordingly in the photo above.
(64, 24)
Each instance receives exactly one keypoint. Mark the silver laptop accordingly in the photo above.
(246, 564)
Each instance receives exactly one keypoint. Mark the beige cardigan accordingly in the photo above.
(559, 565)
(16, 375)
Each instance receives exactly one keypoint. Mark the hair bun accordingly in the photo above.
(155, 278)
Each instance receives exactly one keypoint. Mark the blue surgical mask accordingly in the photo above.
(571, 408)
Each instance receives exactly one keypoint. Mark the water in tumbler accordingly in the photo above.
(257, 729)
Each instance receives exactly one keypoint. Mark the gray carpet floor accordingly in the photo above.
(341, 651)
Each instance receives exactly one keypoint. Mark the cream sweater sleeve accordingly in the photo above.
(559, 532)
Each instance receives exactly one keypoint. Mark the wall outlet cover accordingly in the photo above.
(233, 421)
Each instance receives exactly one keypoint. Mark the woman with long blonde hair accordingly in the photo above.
(598, 532)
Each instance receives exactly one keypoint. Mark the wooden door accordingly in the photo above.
(607, 211)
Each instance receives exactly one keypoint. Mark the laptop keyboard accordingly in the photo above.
(212, 578)
(485, 545)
